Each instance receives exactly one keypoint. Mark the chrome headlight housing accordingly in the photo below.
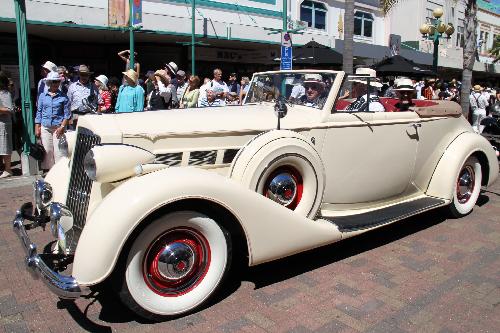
(89, 165)
(63, 145)
(42, 194)
(61, 221)
(67, 143)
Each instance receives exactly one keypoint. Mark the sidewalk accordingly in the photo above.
(17, 179)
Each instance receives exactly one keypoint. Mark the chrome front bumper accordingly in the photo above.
(62, 285)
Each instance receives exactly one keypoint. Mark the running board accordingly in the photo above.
(385, 215)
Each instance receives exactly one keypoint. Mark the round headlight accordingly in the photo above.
(42, 193)
(89, 165)
(63, 145)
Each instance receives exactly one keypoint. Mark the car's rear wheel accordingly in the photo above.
(467, 188)
(175, 264)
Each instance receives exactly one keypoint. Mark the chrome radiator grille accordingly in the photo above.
(80, 185)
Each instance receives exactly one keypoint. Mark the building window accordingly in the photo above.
(314, 13)
(363, 24)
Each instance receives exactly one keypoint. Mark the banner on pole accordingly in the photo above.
(137, 12)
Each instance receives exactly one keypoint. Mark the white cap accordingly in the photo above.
(50, 66)
(103, 79)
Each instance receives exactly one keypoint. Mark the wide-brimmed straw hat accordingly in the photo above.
(50, 66)
(404, 85)
(365, 72)
(104, 80)
(314, 78)
(162, 74)
(477, 88)
(84, 69)
(132, 75)
(52, 76)
(172, 66)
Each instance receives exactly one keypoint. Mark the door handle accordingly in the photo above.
(415, 125)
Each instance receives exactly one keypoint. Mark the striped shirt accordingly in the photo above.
(77, 92)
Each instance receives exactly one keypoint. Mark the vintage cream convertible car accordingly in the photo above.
(160, 203)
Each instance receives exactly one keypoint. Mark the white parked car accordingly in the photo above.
(162, 202)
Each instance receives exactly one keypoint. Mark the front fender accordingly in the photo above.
(271, 230)
(445, 175)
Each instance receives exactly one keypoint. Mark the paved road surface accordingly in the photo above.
(424, 274)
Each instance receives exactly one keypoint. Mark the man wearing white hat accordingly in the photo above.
(478, 104)
(314, 87)
(360, 89)
(46, 68)
(405, 91)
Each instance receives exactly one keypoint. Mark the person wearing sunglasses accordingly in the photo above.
(314, 91)
(405, 91)
(52, 118)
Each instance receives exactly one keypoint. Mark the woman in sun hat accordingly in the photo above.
(102, 84)
(130, 94)
(52, 117)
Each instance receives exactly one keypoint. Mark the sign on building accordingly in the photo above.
(119, 10)
(137, 12)
(286, 52)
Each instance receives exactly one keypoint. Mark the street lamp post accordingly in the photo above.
(434, 31)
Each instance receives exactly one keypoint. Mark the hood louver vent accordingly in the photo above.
(170, 159)
(202, 157)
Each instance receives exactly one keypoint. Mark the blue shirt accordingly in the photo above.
(130, 99)
(52, 110)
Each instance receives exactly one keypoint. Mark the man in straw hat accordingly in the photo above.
(314, 87)
(478, 104)
(360, 90)
(81, 90)
(405, 91)
(130, 94)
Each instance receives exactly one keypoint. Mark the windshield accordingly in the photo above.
(308, 89)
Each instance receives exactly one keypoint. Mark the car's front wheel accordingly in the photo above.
(467, 188)
(175, 264)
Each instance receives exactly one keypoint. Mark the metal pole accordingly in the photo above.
(435, 39)
(29, 165)
(131, 32)
(22, 51)
(193, 7)
(285, 16)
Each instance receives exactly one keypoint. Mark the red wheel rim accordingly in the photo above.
(176, 262)
(293, 189)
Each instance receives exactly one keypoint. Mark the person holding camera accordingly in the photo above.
(83, 95)
(52, 117)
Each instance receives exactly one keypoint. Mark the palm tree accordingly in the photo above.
(469, 50)
(347, 61)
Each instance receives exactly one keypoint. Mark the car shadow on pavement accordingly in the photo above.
(286, 268)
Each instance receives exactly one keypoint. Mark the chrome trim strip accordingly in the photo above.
(63, 286)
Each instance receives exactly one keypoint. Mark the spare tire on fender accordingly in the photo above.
(283, 166)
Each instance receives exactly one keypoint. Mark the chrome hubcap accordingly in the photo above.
(176, 261)
(282, 189)
(465, 184)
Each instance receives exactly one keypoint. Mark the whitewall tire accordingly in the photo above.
(287, 170)
(467, 188)
(175, 264)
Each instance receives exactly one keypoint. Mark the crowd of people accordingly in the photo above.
(62, 95)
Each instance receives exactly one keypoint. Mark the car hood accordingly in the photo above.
(152, 124)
